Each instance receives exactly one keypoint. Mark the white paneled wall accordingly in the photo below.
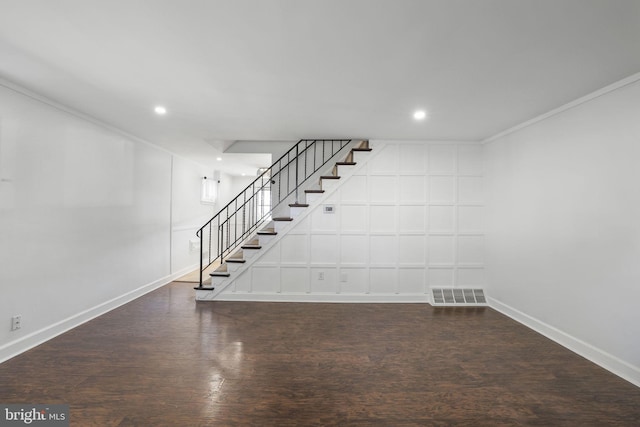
(410, 218)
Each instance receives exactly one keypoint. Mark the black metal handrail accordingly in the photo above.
(242, 216)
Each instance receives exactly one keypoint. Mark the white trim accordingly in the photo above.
(14, 348)
(610, 88)
(599, 357)
(332, 298)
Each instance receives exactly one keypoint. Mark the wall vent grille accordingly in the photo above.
(458, 297)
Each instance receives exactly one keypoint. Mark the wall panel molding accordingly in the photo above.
(391, 237)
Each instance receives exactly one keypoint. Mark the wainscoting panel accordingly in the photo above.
(409, 217)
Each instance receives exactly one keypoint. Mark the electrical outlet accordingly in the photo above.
(16, 322)
(321, 275)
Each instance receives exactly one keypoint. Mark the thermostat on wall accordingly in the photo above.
(329, 209)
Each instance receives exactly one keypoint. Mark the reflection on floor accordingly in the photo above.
(165, 360)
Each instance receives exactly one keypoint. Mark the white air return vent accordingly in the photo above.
(458, 297)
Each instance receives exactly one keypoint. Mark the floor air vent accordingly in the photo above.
(458, 297)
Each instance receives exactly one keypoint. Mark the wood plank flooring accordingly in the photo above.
(165, 360)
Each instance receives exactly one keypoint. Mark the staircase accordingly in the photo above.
(295, 182)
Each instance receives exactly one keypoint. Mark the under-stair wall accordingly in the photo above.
(407, 217)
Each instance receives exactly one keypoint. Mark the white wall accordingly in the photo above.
(85, 218)
(188, 213)
(276, 148)
(238, 184)
(229, 188)
(563, 228)
(408, 219)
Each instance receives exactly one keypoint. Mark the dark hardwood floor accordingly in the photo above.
(165, 360)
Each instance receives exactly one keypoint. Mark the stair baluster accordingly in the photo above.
(255, 203)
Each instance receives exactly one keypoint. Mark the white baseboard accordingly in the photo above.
(36, 338)
(599, 357)
(337, 298)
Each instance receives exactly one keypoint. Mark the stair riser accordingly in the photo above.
(264, 239)
(312, 197)
(234, 266)
(344, 169)
(217, 281)
(250, 253)
(281, 225)
(295, 211)
(282, 211)
(329, 184)
(359, 156)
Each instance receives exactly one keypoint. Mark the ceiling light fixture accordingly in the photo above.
(420, 115)
(219, 159)
(160, 110)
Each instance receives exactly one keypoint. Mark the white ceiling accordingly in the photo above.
(288, 69)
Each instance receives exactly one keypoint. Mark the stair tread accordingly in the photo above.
(267, 233)
(361, 149)
(219, 274)
(330, 177)
(314, 191)
(204, 288)
(237, 260)
(346, 163)
(298, 205)
(251, 247)
(282, 218)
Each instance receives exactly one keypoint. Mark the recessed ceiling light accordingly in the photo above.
(420, 115)
(160, 110)
(219, 159)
